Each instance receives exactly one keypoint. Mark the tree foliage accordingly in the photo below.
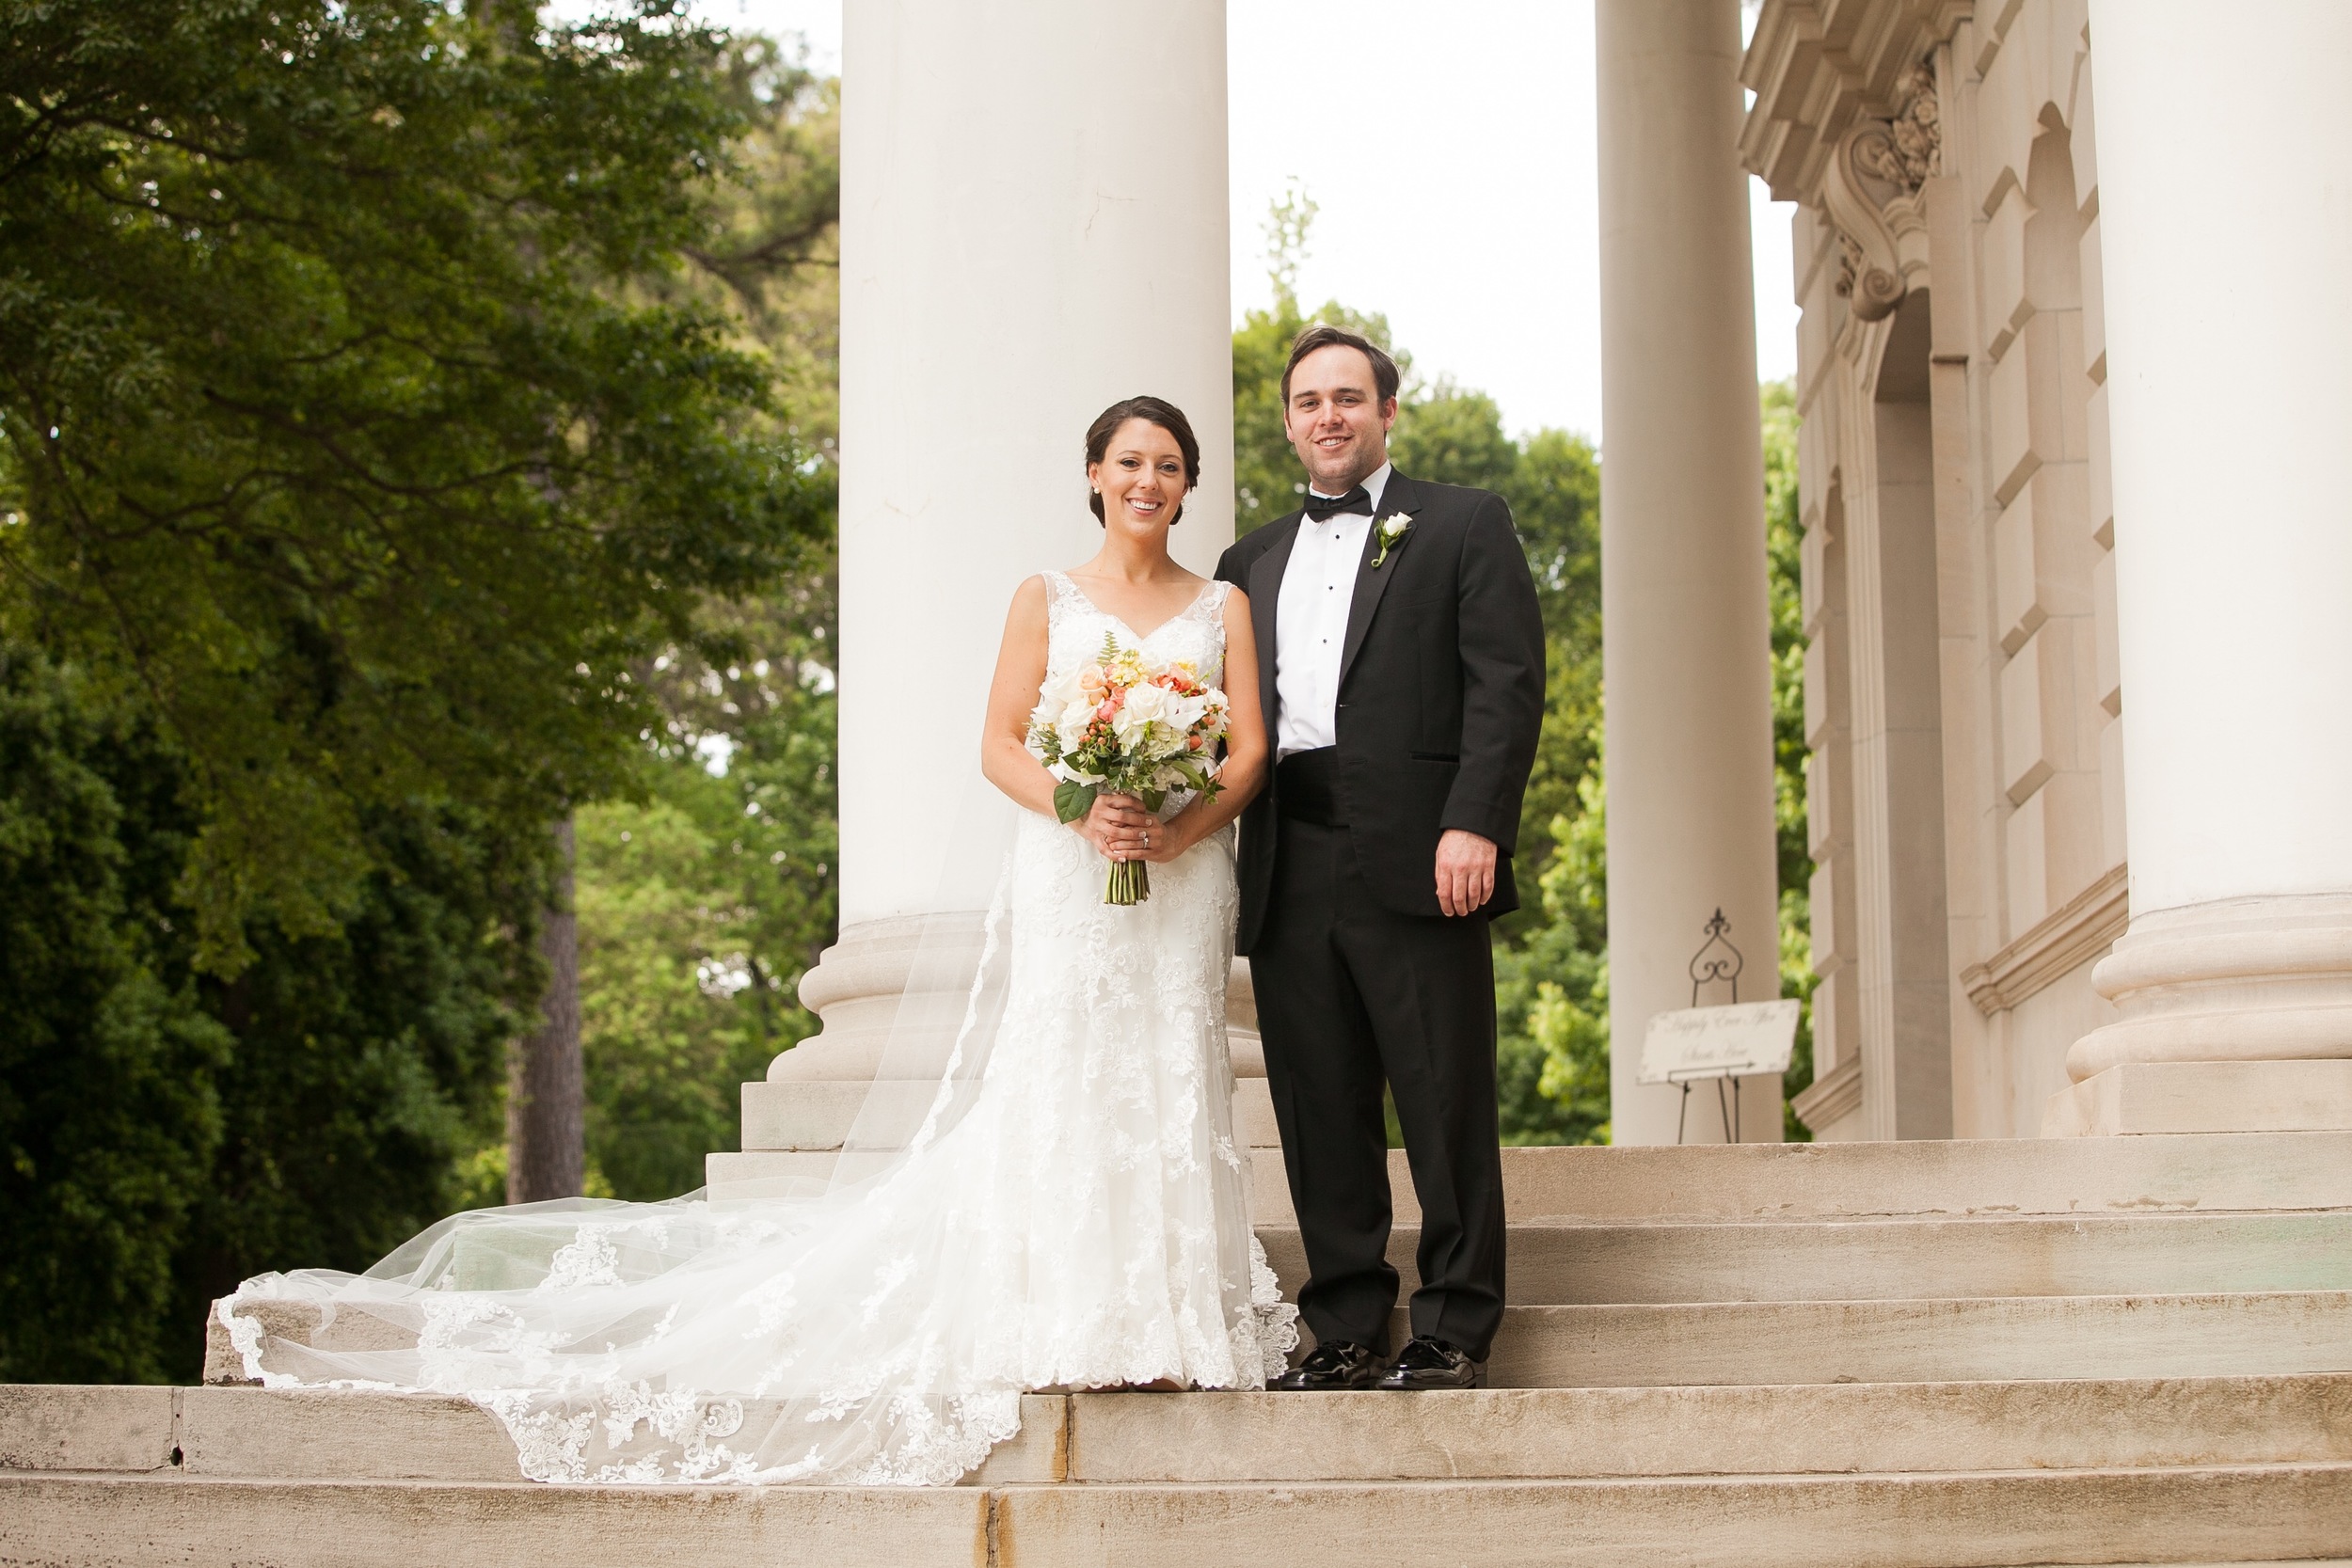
(706, 898)
(1784, 535)
(166, 1133)
(369, 434)
(705, 892)
(328, 399)
(773, 260)
(109, 1111)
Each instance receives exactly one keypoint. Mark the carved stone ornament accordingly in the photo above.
(1871, 188)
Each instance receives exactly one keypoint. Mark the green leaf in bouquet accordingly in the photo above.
(1073, 799)
(1154, 798)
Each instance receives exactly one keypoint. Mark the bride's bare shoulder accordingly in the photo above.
(1028, 612)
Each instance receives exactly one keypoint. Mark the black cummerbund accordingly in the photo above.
(1307, 786)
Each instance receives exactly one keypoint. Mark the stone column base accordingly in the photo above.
(2239, 979)
(2204, 1096)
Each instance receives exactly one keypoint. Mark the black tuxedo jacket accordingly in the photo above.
(1441, 694)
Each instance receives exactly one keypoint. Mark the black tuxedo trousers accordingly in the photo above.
(1350, 994)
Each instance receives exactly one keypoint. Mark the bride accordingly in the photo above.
(1072, 1212)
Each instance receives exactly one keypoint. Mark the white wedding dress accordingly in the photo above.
(1084, 1222)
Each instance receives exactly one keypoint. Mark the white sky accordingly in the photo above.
(1475, 226)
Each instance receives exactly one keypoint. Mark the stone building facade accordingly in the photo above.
(1964, 700)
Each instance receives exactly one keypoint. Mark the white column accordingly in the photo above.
(1686, 639)
(2226, 232)
(1033, 225)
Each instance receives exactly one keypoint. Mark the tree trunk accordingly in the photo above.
(546, 1149)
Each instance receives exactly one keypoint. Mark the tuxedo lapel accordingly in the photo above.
(1265, 591)
(1401, 494)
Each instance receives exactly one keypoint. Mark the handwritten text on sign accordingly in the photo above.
(1719, 1042)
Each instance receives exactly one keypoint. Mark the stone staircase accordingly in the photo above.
(2100, 1350)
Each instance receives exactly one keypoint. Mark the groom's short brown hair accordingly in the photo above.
(1385, 379)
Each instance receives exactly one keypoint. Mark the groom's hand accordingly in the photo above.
(1465, 871)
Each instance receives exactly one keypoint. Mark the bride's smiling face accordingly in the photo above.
(1141, 478)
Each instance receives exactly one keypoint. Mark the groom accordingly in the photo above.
(1401, 659)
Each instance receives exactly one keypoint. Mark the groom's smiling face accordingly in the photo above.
(1336, 419)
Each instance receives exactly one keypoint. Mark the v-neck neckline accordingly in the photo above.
(1128, 627)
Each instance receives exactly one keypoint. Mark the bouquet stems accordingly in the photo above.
(1130, 882)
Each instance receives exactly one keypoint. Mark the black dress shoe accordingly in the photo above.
(1430, 1362)
(1334, 1365)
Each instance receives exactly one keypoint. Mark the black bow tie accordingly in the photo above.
(1324, 507)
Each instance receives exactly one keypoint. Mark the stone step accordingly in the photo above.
(1921, 1341)
(314, 1434)
(2208, 1514)
(1560, 1262)
(1951, 1179)
(1994, 1339)
(1941, 1178)
(1926, 1428)
(818, 1115)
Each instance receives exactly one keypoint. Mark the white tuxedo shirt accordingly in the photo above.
(1310, 623)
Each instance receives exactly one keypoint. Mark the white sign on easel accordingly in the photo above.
(1719, 1042)
(1734, 1042)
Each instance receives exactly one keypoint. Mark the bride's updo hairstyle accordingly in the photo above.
(1158, 411)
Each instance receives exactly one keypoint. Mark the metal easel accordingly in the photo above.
(1706, 968)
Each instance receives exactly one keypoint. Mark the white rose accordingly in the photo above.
(1071, 725)
(1147, 703)
(1059, 692)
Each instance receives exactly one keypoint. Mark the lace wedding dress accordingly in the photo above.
(1084, 1222)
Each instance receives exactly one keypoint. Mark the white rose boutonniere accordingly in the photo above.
(1391, 531)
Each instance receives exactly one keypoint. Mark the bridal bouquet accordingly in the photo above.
(1130, 725)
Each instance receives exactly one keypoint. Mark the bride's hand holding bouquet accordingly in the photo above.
(1126, 724)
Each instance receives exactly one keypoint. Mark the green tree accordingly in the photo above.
(367, 1059)
(109, 1117)
(169, 1134)
(1453, 438)
(345, 439)
(707, 892)
(701, 905)
(772, 262)
(367, 436)
(1784, 533)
